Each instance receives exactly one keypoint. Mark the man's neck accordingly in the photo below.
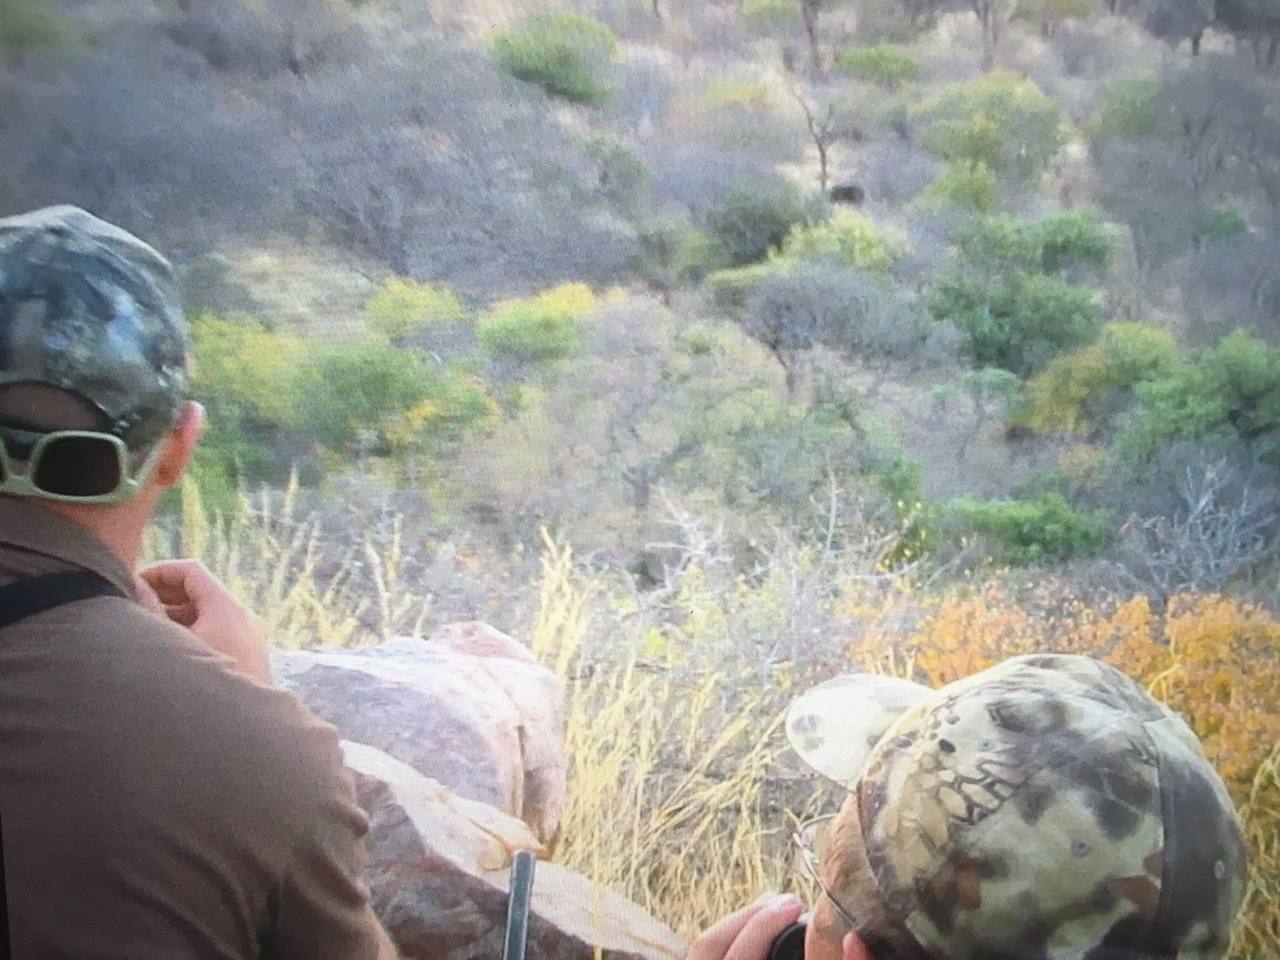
(117, 527)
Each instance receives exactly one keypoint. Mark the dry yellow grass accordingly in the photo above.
(669, 799)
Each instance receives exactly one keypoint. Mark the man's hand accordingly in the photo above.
(192, 597)
(749, 933)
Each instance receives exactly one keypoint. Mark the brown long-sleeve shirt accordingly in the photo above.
(154, 802)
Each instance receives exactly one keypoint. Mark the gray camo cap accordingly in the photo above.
(91, 309)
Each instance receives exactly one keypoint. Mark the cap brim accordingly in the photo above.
(835, 726)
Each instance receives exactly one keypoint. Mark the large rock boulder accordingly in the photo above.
(469, 708)
(438, 875)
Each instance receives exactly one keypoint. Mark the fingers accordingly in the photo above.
(185, 588)
(181, 582)
(749, 933)
(757, 936)
(854, 949)
(147, 596)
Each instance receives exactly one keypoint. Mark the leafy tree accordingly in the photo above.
(886, 64)
(1056, 242)
(849, 238)
(1087, 390)
(456, 405)
(351, 395)
(755, 218)
(991, 391)
(1228, 393)
(244, 377)
(564, 53)
(968, 186)
(1131, 108)
(1007, 292)
(1000, 120)
(791, 305)
(1174, 154)
(1176, 20)
(402, 308)
(535, 330)
(771, 14)
(1050, 14)
(1257, 22)
(1016, 321)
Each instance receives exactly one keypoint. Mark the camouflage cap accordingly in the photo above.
(1044, 809)
(89, 308)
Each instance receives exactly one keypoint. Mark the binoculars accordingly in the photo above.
(789, 944)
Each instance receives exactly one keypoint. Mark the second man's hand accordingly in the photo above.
(185, 592)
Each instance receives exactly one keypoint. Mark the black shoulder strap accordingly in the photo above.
(26, 598)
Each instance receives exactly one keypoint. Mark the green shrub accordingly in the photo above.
(1005, 292)
(1000, 120)
(350, 395)
(849, 238)
(455, 404)
(673, 251)
(1087, 390)
(620, 172)
(755, 218)
(1056, 242)
(402, 308)
(564, 53)
(771, 14)
(884, 63)
(970, 186)
(537, 329)
(1016, 322)
(29, 27)
(244, 377)
(1026, 532)
(1226, 393)
(1221, 225)
(1130, 110)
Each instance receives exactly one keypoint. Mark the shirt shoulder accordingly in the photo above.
(255, 748)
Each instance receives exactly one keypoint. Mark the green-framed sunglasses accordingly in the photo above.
(72, 466)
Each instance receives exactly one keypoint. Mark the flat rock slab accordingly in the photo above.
(438, 878)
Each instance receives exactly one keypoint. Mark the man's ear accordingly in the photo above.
(852, 948)
(182, 444)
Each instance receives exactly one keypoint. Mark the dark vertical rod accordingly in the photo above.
(519, 897)
(5, 945)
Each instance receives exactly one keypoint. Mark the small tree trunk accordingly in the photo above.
(987, 20)
(809, 11)
(822, 164)
(1195, 42)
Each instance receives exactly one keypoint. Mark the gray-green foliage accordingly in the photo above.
(755, 217)
(28, 28)
(998, 119)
